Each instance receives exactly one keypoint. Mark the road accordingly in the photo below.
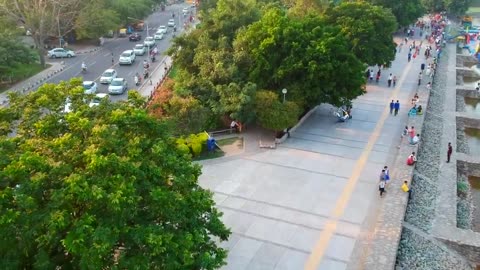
(97, 62)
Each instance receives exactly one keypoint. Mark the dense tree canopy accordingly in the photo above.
(306, 56)
(99, 188)
(406, 11)
(368, 28)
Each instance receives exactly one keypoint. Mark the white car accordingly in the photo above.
(171, 23)
(127, 57)
(139, 49)
(149, 42)
(68, 106)
(185, 11)
(158, 35)
(89, 87)
(97, 99)
(60, 52)
(108, 75)
(117, 86)
(162, 29)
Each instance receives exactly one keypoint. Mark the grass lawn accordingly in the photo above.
(227, 141)
(173, 72)
(210, 155)
(22, 72)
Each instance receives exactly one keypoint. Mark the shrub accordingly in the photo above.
(184, 149)
(196, 149)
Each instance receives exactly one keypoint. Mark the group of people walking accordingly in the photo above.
(437, 36)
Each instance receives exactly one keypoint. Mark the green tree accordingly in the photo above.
(127, 9)
(405, 11)
(312, 60)
(273, 114)
(43, 18)
(99, 188)
(12, 51)
(95, 20)
(457, 7)
(433, 6)
(237, 101)
(368, 28)
(187, 114)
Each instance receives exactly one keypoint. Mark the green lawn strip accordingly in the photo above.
(209, 155)
(227, 141)
(173, 72)
(22, 72)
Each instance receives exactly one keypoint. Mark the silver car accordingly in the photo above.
(139, 49)
(60, 53)
(149, 42)
(89, 87)
(108, 75)
(117, 86)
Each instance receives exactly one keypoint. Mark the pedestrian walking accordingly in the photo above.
(394, 81)
(381, 187)
(449, 152)
(420, 78)
(390, 78)
(392, 106)
(371, 74)
(397, 107)
(422, 68)
(379, 73)
(387, 174)
(409, 56)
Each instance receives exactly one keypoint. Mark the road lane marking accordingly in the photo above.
(107, 54)
(330, 227)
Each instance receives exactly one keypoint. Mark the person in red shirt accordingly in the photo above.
(411, 134)
(411, 159)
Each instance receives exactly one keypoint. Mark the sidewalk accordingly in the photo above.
(156, 78)
(311, 203)
(26, 85)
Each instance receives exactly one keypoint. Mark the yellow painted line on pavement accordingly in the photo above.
(330, 227)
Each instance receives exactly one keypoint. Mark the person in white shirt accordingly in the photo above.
(415, 139)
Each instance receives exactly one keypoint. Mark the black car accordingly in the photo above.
(135, 37)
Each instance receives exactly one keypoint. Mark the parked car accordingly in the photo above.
(60, 52)
(117, 86)
(108, 75)
(89, 87)
(135, 37)
(149, 41)
(97, 99)
(139, 49)
(162, 28)
(127, 58)
(158, 35)
(171, 23)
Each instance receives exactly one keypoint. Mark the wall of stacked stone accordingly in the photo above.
(465, 242)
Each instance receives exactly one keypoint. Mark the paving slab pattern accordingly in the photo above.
(278, 202)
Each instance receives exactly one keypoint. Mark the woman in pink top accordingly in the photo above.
(411, 134)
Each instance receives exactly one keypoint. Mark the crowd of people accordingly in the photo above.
(432, 29)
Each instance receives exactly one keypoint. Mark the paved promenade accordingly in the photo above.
(312, 202)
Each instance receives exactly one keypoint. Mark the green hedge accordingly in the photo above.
(193, 144)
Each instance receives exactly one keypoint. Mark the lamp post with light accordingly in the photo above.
(284, 91)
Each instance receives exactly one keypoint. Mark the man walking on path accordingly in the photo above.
(449, 152)
(394, 81)
(409, 56)
(392, 106)
(396, 107)
(381, 187)
(390, 78)
(406, 189)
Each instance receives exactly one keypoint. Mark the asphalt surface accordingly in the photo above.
(97, 62)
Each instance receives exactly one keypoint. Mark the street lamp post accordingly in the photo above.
(284, 91)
